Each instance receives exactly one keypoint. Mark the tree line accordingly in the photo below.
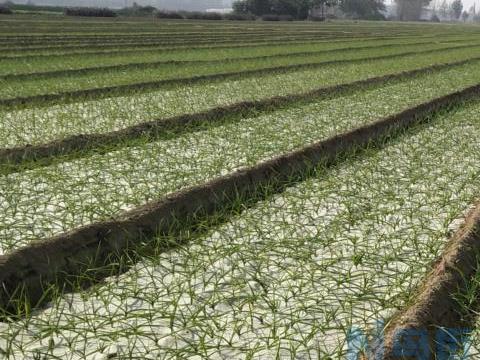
(406, 10)
(301, 9)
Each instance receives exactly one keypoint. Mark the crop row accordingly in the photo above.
(186, 28)
(33, 126)
(178, 47)
(166, 39)
(107, 78)
(286, 274)
(158, 35)
(15, 28)
(259, 284)
(181, 45)
(33, 66)
(150, 48)
(168, 42)
(184, 43)
(15, 41)
(44, 201)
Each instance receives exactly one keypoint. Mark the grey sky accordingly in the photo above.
(466, 3)
(185, 4)
(168, 4)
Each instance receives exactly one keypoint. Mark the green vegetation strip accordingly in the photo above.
(146, 44)
(108, 52)
(212, 37)
(23, 52)
(171, 70)
(44, 261)
(122, 28)
(184, 31)
(435, 306)
(171, 40)
(286, 277)
(154, 64)
(319, 29)
(26, 41)
(155, 129)
(45, 201)
(77, 62)
(116, 90)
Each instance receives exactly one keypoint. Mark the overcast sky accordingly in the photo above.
(466, 3)
(168, 4)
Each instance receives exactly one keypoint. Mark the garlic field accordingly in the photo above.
(238, 190)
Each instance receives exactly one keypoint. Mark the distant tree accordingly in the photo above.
(323, 5)
(295, 8)
(240, 7)
(408, 10)
(5, 10)
(94, 12)
(238, 16)
(465, 16)
(456, 8)
(162, 14)
(363, 9)
(472, 11)
(298, 9)
(137, 10)
(444, 10)
(256, 7)
(283, 7)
